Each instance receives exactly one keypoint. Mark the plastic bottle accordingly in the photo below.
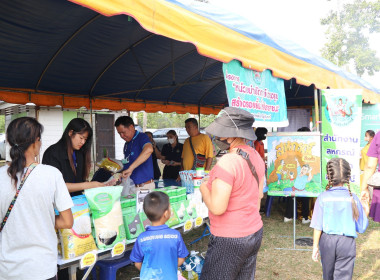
(189, 273)
(198, 262)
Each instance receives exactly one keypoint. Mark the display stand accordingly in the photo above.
(73, 264)
(294, 231)
(206, 232)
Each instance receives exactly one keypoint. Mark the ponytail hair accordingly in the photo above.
(21, 133)
(339, 173)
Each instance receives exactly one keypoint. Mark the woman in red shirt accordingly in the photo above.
(232, 195)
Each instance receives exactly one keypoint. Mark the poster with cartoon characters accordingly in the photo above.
(341, 129)
(294, 164)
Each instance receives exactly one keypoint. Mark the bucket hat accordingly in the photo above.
(233, 122)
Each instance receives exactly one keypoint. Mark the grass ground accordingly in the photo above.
(273, 263)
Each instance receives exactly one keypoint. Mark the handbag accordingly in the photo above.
(374, 180)
(199, 159)
(25, 176)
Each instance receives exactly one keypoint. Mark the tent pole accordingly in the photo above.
(316, 105)
(92, 125)
(199, 116)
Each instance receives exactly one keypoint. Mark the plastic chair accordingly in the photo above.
(268, 204)
(108, 269)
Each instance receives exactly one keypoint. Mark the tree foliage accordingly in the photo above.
(348, 36)
(163, 120)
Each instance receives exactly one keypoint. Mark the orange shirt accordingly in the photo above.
(259, 147)
(242, 216)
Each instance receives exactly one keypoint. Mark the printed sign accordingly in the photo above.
(341, 122)
(256, 92)
(118, 249)
(88, 259)
(198, 222)
(294, 164)
(370, 120)
(188, 226)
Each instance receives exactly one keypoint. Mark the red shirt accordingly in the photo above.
(259, 147)
(242, 216)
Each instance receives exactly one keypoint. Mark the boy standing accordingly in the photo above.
(159, 250)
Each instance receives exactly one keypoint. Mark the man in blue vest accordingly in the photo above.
(138, 150)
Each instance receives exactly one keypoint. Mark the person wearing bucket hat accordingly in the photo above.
(232, 195)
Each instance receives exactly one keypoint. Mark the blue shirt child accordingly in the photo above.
(158, 249)
(144, 172)
(333, 213)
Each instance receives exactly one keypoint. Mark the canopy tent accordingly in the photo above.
(152, 55)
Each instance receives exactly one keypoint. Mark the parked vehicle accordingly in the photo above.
(2, 146)
(159, 136)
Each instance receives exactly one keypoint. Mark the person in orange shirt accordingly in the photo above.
(261, 134)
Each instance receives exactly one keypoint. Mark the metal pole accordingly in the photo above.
(92, 125)
(294, 222)
(316, 106)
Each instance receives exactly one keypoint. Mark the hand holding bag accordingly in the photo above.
(374, 180)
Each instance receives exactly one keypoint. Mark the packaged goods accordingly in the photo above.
(106, 215)
(173, 220)
(144, 220)
(111, 164)
(132, 223)
(78, 240)
(180, 209)
(128, 201)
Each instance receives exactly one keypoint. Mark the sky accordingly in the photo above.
(296, 20)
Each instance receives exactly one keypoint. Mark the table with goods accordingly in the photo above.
(106, 224)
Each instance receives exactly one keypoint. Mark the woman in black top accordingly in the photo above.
(171, 156)
(72, 156)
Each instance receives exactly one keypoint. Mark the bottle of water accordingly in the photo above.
(189, 272)
(198, 261)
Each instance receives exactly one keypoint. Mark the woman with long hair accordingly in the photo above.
(29, 192)
(72, 156)
(232, 196)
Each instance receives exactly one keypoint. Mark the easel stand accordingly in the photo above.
(294, 231)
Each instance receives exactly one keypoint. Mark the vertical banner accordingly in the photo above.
(259, 93)
(341, 121)
(370, 120)
(294, 164)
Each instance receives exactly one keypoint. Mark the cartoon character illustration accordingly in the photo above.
(291, 175)
(303, 176)
(279, 171)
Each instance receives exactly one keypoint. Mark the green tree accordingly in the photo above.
(163, 120)
(348, 36)
(2, 124)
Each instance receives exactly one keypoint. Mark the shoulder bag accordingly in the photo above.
(24, 177)
(245, 156)
(199, 160)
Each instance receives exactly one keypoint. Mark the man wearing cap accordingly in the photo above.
(197, 149)
(138, 151)
(232, 194)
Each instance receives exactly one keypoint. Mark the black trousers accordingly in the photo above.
(305, 207)
(232, 258)
(338, 254)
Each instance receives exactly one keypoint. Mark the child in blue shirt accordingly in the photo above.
(159, 250)
(338, 215)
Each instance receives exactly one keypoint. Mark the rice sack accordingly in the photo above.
(78, 240)
(106, 215)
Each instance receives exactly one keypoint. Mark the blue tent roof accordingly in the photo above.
(59, 48)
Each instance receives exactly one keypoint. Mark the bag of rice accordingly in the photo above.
(107, 215)
(78, 240)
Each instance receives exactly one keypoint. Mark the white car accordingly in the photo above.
(2, 146)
